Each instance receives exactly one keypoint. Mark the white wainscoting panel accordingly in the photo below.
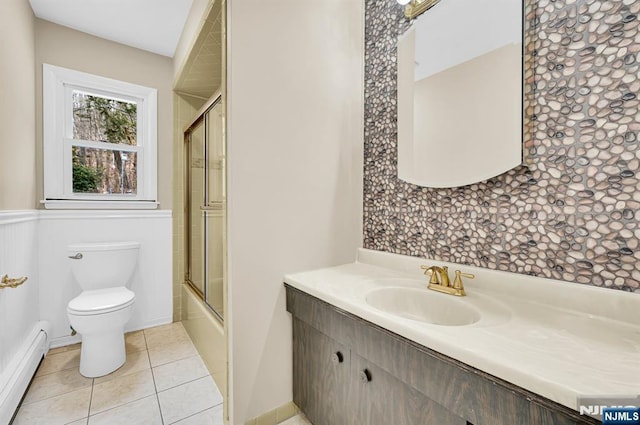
(22, 344)
(151, 281)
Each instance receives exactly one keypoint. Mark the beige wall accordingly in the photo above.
(294, 174)
(17, 106)
(61, 46)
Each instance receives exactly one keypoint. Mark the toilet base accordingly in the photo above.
(102, 353)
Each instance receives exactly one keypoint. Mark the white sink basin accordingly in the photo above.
(423, 305)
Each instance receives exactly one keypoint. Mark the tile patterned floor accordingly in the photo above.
(163, 382)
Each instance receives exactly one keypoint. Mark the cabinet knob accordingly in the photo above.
(337, 357)
(365, 376)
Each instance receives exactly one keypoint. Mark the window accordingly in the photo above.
(99, 141)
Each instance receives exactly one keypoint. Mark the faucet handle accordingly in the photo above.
(457, 283)
(434, 273)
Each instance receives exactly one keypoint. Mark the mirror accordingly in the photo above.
(460, 93)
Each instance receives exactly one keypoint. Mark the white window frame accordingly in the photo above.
(57, 85)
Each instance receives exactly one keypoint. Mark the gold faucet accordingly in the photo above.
(439, 280)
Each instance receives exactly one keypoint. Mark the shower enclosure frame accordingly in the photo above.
(206, 206)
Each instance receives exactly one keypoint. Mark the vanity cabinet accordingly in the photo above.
(381, 378)
(378, 398)
(333, 386)
(322, 366)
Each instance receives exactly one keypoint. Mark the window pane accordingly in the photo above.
(104, 171)
(101, 119)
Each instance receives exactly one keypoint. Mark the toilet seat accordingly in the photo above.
(101, 301)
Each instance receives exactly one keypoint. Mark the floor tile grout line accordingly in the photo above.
(93, 382)
(175, 386)
(160, 409)
(75, 367)
(49, 353)
(169, 344)
(55, 371)
(123, 404)
(130, 401)
(113, 378)
(178, 360)
(188, 338)
(155, 387)
(56, 395)
(197, 413)
(120, 405)
(174, 360)
(126, 375)
(185, 382)
(184, 334)
(55, 351)
(49, 356)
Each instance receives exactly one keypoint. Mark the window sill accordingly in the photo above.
(62, 204)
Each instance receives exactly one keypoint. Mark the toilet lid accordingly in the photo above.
(101, 301)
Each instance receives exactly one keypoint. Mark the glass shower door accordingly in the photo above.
(196, 196)
(206, 206)
(216, 208)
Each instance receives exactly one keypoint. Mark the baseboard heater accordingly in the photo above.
(20, 369)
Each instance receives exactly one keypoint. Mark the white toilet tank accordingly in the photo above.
(103, 264)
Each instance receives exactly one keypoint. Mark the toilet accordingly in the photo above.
(99, 313)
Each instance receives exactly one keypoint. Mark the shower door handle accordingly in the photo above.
(217, 206)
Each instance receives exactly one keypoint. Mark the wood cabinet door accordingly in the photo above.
(320, 375)
(378, 398)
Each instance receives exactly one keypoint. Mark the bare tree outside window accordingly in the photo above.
(101, 119)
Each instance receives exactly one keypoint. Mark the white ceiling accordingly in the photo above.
(152, 25)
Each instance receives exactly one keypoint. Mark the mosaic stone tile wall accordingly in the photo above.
(573, 213)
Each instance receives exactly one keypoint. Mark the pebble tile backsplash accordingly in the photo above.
(572, 212)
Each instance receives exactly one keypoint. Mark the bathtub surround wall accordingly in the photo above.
(17, 106)
(573, 213)
(207, 334)
(151, 282)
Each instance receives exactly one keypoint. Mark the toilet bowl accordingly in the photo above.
(105, 305)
